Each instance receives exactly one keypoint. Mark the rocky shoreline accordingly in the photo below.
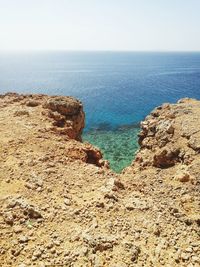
(61, 205)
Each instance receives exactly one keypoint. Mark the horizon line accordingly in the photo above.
(103, 50)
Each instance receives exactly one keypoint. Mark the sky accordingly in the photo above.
(111, 25)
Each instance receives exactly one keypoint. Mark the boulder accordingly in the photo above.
(166, 157)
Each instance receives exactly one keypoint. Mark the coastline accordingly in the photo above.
(62, 205)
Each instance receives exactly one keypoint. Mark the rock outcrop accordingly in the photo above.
(169, 135)
(60, 204)
(67, 114)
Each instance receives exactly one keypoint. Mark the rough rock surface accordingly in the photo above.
(62, 206)
(68, 115)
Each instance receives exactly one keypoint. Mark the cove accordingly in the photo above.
(118, 146)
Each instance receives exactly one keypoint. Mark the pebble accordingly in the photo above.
(8, 218)
(37, 253)
(23, 239)
(67, 202)
(17, 229)
(184, 256)
(49, 245)
(57, 242)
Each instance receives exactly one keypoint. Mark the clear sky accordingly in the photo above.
(100, 25)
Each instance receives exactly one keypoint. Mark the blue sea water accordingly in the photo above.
(118, 89)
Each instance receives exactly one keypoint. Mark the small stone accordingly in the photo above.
(184, 256)
(32, 103)
(194, 142)
(57, 242)
(23, 239)
(94, 224)
(195, 249)
(157, 231)
(137, 236)
(189, 249)
(135, 251)
(67, 202)
(119, 184)
(29, 185)
(83, 251)
(53, 250)
(184, 177)
(33, 213)
(12, 203)
(100, 204)
(34, 258)
(39, 182)
(17, 229)
(49, 245)
(16, 252)
(8, 218)
(37, 253)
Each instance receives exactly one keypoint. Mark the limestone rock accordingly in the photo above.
(67, 113)
(194, 142)
(166, 157)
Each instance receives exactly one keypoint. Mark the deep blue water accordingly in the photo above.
(116, 88)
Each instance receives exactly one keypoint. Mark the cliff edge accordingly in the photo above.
(61, 205)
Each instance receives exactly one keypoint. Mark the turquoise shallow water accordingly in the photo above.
(118, 146)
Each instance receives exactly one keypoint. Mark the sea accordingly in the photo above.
(118, 89)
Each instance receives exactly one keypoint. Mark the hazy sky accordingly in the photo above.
(100, 24)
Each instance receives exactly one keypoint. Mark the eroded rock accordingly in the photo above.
(166, 157)
(67, 113)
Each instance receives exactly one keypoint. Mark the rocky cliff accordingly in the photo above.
(62, 206)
